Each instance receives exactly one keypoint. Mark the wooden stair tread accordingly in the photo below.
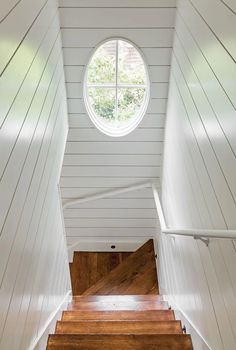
(156, 315)
(119, 327)
(135, 275)
(118, 342)
(118, 305)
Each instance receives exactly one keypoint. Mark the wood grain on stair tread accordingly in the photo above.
(149, 315)
(89, 267)
(118, 342)
(135, 275)
(116, 305)
(119, 327)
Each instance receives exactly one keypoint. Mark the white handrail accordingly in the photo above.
(106, 194)
(211, 233)
(202, 234)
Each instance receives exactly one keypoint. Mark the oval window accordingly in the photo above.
(116, 87)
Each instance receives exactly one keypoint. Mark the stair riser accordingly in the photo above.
(118, 342)
(160, 315)
(116, 298)
(118, 306)
(119, 327)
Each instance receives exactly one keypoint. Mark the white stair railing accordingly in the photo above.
(106, 194)
(202, 234)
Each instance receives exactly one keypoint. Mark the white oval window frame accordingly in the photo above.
(105, 129)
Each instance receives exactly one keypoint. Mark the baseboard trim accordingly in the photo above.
(196, 335)
(50, 320)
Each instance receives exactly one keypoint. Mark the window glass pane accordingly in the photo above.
(116, 87)
(130, 65)
(102, 68)
(129, 102)
(103, 103)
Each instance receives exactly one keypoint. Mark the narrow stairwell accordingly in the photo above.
(123, 310)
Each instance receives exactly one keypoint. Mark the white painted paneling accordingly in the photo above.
(72, 183)
(112, 160)
(231, 5)
(92, 134)
(121, 3)
(117, 17)
(112, 213)
(149, 121)
(102, 148)
(74, 37)
(226, 36)
(114, 232)
(199, 170)
(87, 191)
(32, 136)
(6, 8)
(118, 203)
(144, 193)
(109, 172)
(10, 38)
(216, 54)
(109, 222)
(31, 60)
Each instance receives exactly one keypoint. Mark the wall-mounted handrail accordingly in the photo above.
(202, 234)
(106, 194)
(211, 233)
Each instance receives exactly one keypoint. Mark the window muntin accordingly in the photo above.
(116, 87)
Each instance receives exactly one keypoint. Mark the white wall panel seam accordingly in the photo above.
(6, 63)
(39, 113)
(225, 182)
(205, 54)
(203, 160)
(50, 183)
(21, 76)
(209, 66)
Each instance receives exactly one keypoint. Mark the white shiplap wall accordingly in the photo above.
(199, 171)
(94, 162)
(34, 276)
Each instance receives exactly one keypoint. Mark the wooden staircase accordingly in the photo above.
(122, 310)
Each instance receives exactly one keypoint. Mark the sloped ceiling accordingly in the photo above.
(94, 162)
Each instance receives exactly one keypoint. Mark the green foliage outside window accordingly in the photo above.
(102, 70)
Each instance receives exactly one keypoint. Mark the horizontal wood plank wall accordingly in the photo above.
(34, 275)
(94, 162)
(199, 168)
